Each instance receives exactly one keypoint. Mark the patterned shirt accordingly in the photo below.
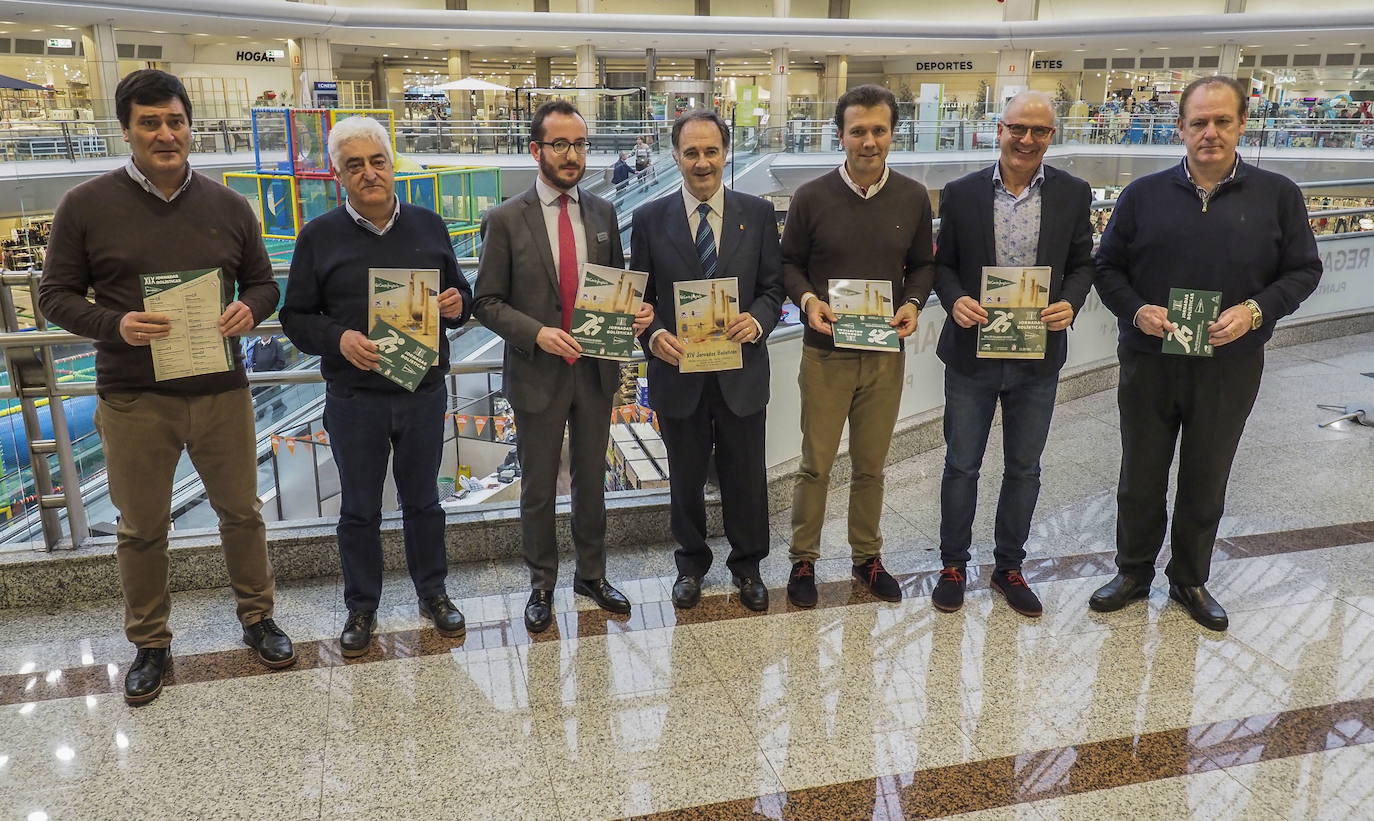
(1016, 220)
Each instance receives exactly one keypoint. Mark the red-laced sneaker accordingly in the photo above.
(948, 594)
(801, 585)
(1012, 585)
(879, 582)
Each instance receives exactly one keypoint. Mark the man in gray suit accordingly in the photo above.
(706, 230)
(533, 246)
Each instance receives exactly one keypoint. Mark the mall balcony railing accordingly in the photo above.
(80, 139)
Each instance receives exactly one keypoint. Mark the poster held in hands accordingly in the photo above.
(704, 310)
(1191, 312)
(863, 315)
(603, 316)
(1014, 299)
(193, 301)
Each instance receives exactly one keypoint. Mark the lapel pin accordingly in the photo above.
(741, 226)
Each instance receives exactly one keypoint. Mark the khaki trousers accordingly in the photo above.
(143, 435)
(865, 388)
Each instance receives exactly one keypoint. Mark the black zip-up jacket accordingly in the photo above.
(1248, 239)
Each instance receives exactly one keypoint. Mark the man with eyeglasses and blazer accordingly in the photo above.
(1018, 212)
(533, 247)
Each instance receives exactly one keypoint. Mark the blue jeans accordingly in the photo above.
(1027, 404)
(365, 428)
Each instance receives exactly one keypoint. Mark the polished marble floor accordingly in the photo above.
(857, 709)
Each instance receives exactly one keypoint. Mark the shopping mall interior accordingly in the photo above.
(856, 708)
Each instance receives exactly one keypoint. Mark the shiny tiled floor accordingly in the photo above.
(857, 709)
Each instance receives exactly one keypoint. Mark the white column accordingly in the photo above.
(102, 68)
(586, 78)
(1230, 60)
(460, 66)
(311, 62)
(835, 81)
(782, 8)
(1015, 10)
(777, 105)
(1013, 75)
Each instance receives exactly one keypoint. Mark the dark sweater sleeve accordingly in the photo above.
(920, 257)
(302, 315)
(947, 284)
(796, 250)
(1300, 266)
(1078, 275)
(256, 287)
(67, 278)
(1113, 266)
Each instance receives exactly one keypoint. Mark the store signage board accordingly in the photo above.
(58, 42)
(269, 56)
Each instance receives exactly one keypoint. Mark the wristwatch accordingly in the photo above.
(1256, 315)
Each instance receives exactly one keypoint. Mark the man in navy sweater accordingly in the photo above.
(1210, 223)
(370, 418)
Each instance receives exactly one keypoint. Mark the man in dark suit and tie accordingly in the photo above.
(703, 231)
(533, 247)
(1019, 212)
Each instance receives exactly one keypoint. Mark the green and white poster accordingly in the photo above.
(603, 315)
(1014, 298)
(1191, 311)
(704, 310)
(863, 313)
(748, 100)
(404, 360)
(193, 301)
(406, 299)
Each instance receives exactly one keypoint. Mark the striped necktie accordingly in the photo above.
(706, 243)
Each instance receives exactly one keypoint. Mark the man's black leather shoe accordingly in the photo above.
(448, 620)
(539, 611)
(1118, 593)
(686, 591)
(752, 593)
(1201, 606)
(143, 682)
(601, 592)
(357, 632)
(270, 643)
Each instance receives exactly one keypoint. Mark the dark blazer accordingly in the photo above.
(966, 243)
(661, 245)
(517, 291)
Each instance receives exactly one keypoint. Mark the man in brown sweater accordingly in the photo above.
(860, 221)
(156, 215)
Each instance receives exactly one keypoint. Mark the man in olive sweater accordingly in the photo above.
(372, 421)
(156, 215)
(860, 221)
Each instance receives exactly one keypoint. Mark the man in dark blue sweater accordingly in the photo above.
(1211, 223)
(370, 418)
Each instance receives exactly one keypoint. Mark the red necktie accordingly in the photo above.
(567, 264)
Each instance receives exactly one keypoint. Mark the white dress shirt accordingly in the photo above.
(367, 223)
(147, 185)
(548, 199)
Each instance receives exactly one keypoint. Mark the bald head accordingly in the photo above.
(1029, 102)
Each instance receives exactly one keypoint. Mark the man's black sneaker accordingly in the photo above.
(801, 584)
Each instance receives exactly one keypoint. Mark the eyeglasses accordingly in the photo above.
(562, 146)
(1019, 130)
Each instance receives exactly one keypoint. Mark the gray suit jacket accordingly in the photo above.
(662, 245)
(517, 291)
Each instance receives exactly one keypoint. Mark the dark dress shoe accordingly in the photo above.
(357, 632)
(448, 620)
(1118, 593)
(270, 643)
(752, 594)
(143, 682)
(539, 611)
(879, 582)
(686, 591)
(601, 592)
(1201, 606)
